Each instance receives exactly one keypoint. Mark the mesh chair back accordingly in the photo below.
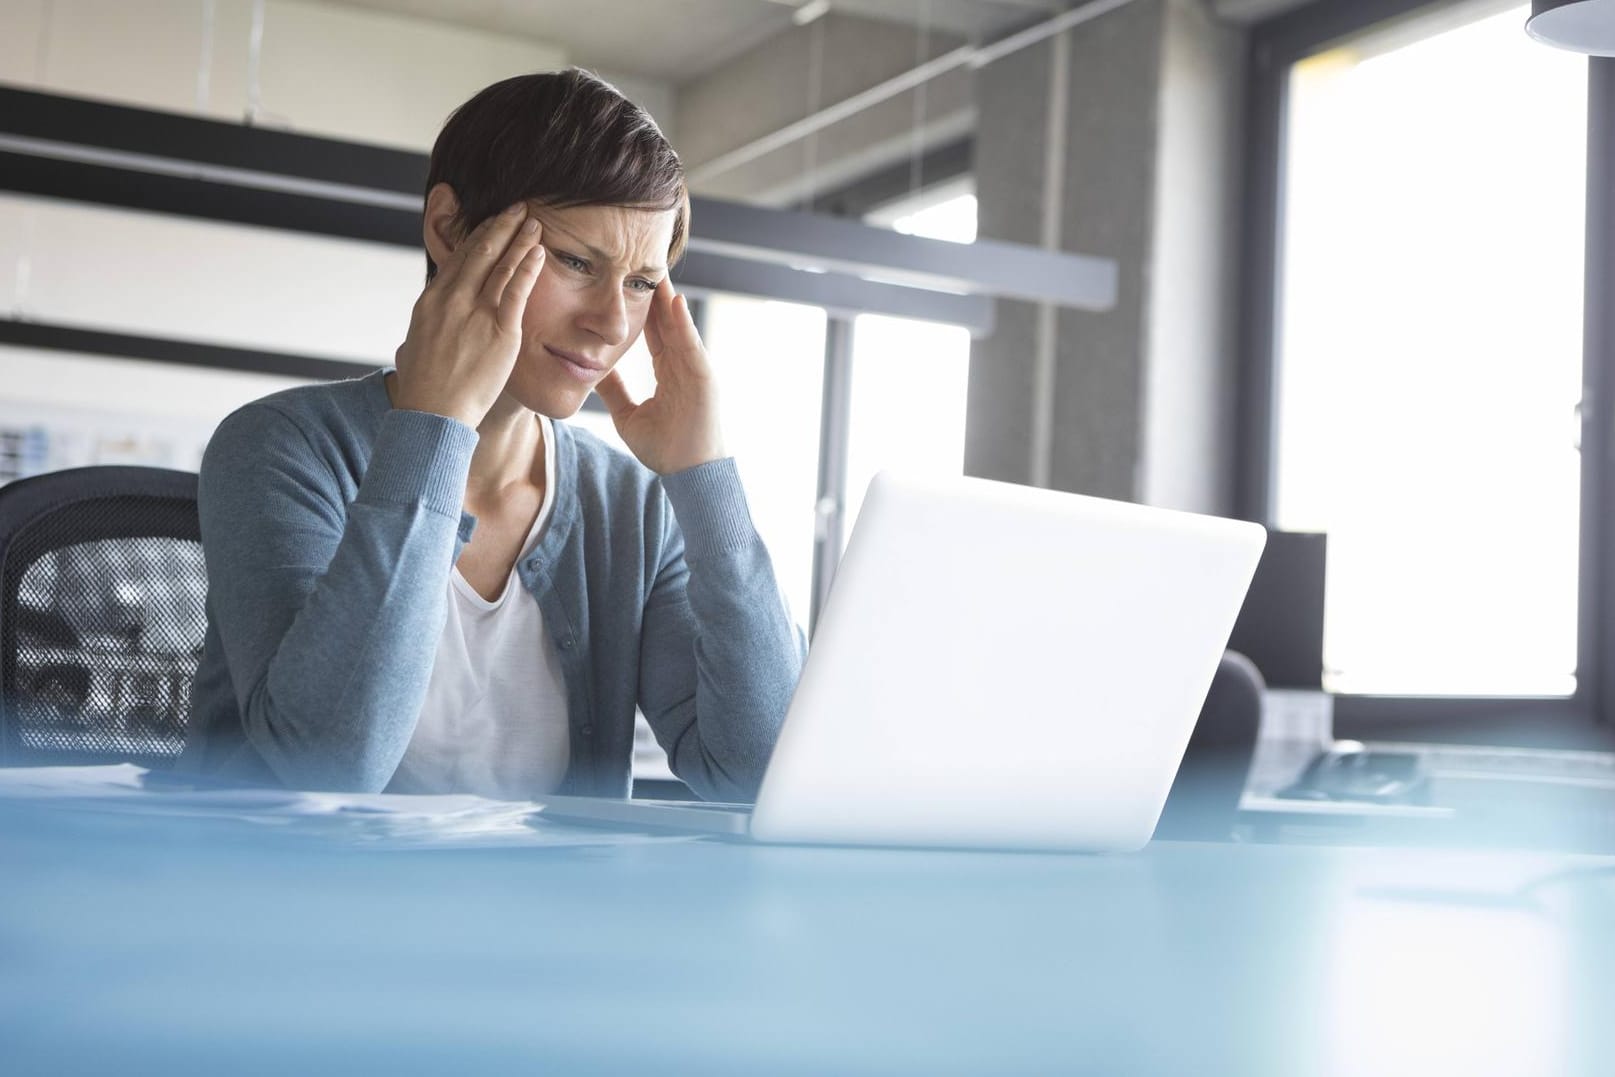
(102, 615)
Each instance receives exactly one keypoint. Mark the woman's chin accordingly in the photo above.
(553, 402)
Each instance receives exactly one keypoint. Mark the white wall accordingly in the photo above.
(336, 71)
(358, 75)
(118, 270)
(68, 410)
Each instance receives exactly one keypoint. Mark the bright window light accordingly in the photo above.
(946, 211)
(910, 378)
(1430, 355)
(769, 361)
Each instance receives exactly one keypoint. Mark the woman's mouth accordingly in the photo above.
(576, 365)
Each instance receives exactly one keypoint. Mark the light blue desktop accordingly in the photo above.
(140, 936)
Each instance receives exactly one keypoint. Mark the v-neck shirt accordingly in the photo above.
(494, 721)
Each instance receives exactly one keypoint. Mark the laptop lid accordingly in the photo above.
(1004, 666)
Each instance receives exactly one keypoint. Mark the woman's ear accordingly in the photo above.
(440, 229)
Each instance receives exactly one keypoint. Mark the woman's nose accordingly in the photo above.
(606, 315)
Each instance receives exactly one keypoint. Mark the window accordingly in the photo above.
(1427, 355)
(769, 361)
(909, 378)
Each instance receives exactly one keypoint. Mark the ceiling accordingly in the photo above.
(674, 41)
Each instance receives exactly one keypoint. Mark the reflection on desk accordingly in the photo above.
(242, 944)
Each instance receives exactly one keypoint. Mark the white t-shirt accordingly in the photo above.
(495, 718)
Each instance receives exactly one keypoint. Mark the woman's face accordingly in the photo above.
(601, 267)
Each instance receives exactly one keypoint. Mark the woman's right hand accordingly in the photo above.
(466, 328)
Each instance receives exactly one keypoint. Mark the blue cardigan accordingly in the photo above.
(330, 523)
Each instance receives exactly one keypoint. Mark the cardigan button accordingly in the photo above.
(567, 643)
(588, 731)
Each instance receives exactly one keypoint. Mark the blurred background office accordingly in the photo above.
(1361, 250)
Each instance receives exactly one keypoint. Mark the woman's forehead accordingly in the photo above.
(629, 238)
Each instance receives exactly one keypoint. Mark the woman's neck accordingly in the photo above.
(509, 452)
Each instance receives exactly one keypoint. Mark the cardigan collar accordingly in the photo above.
(563, 513)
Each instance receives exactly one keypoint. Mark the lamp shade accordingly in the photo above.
(1581, 25)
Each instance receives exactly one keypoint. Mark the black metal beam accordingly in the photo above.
(1595, 658)
(1323, 24)
(127, 129)
(142, 159)
(63, 338)
(199, 198)
(1260, 300)
(193, 197)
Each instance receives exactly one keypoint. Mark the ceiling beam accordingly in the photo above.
(139, 158)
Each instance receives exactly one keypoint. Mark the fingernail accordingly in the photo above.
(516, 209)
(531, 225)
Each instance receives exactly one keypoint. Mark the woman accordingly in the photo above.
(420, 582)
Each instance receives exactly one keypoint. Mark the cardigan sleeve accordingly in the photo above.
(328, 613)
(720, 655)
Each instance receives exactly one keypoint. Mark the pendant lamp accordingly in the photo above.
(1579, 25)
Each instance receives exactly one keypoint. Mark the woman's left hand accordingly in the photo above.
(677, 427)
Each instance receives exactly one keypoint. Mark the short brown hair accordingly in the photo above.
(566, 138)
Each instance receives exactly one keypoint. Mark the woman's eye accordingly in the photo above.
(572, 262)
(640, 285)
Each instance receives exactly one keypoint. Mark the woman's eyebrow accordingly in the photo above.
(601, 256)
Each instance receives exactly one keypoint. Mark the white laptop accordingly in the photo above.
(996, 666)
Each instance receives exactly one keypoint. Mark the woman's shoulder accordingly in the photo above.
(337, 418)
(352, 402)
(351, 405)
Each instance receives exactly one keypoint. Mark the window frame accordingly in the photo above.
(1583, 719)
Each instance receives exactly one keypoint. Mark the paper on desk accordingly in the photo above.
(369, 820)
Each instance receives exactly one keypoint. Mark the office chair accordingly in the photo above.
(1204, 801)
(102, 614)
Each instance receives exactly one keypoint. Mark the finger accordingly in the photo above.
(660, 312)
(522, 279)
(515, 255)
(614, 394)
(453, 267)
(683, 339)
(684, 330)
(653, 330)
(481, 248)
